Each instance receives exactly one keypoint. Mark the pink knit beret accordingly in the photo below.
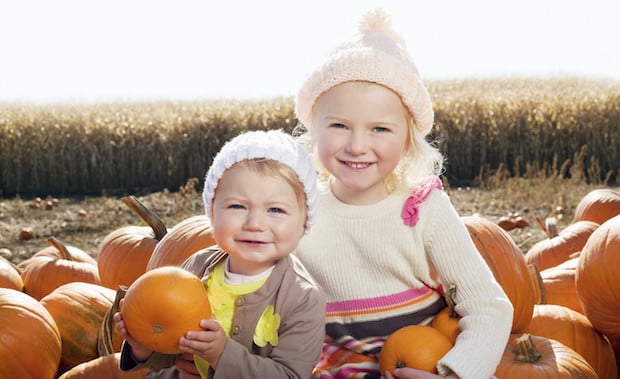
(374, 54)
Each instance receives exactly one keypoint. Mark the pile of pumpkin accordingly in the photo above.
(57, 306)
(565, 291)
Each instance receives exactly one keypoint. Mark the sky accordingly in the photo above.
(121, 50)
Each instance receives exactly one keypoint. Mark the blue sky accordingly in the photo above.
(94, 50)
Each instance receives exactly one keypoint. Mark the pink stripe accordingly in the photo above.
(377, 302)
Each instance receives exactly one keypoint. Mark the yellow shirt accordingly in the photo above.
(222, 297)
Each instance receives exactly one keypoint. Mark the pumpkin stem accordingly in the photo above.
(541, 225)
(64, 252)
(450, 297)
(527, 351)
(552, 227)
(105, 339)
(147, 215)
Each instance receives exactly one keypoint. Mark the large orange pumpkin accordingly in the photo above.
(162, 305)
(125, 252)
(598, 205)
(9, 275)
(78, 309)
(598, 278)
(104, 367)
(559, 285)
(508, 265)
(415, 346)
(537, 357)
(557, 248)
(575, 331)
(56, 265)
(30, 341)
(183, 240)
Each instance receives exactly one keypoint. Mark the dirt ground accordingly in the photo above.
(27, 223)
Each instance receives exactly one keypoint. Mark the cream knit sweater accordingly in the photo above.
(365, 252)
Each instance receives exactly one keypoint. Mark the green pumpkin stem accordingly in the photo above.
(527, 351)
(105, 339)
(64, 252)
(158, 226)
(450, 297)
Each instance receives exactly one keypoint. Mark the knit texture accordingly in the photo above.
(377, 54)
(366, 254)
(271, 144)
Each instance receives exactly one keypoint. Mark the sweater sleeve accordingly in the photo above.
(156, 362)
(485, 310)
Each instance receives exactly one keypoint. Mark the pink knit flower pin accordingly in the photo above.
(418, 195)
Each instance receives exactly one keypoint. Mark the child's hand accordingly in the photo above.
(410, 373)
(208, 343)
(186, 367)
(139, 352)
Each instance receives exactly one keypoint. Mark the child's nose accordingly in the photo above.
(357, 143)
(255, 221)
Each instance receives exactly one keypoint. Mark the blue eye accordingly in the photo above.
(236, 206)
(276, 210)
(338, 126)
(381, 129)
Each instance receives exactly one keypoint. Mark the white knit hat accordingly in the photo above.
(374, 54)
(272, 144)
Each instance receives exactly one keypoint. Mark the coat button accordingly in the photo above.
(236, 329)
(240, 300)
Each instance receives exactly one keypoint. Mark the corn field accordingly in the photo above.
(517, 127)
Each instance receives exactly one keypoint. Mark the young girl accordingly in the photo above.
(261, 197)
(387, 239)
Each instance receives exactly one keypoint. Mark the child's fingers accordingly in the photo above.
(211, 325)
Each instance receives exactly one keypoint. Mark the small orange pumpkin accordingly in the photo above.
(597, 275)
(447, 321)
(537, 357)
(507, 264)
(125, 252)
(558, 247)
(183, 240)
(162, 305)
(598, 205)
(414, 346)
(56, 265)
(559, 285)
(574, 330)
(30, 347)
(78, 309)
(9, 275)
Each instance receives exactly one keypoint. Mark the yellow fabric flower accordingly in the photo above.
(218, 297)
(267, 328)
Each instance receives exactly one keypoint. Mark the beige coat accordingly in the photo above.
(294, 295)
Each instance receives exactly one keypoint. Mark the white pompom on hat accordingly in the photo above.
(272, 144)
(376, 53)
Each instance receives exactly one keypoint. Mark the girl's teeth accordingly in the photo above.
(358, 165)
